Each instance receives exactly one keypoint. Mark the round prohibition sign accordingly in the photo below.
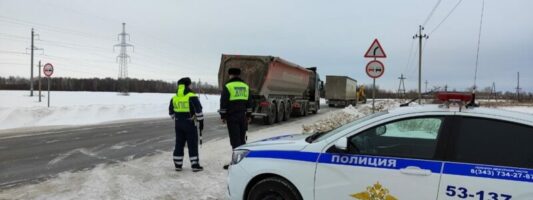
(375, 69)
(48, 69)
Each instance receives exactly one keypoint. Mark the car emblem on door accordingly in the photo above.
(376, 192)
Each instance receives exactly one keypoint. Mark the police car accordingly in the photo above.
(417, 152)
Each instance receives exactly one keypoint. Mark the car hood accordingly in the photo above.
(284, 142)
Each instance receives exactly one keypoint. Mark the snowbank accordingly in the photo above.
(347, 115)
(19, 110)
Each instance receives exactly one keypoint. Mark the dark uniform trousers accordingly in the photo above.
(237, 127)
(185, 132)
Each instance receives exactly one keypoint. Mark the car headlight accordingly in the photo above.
(238, 155)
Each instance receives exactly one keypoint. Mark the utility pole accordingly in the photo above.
(401, 87)
(446, 88)
(518, 86)
(493, 91)
(123, 58)
(32, 48)
(420, 36)
(426, 89)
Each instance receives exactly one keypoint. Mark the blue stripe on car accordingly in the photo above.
(461, 169)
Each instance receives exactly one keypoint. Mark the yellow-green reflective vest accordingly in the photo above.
(237, 90)
(181, 101)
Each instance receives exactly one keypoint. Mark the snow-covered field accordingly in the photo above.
(524, 109)
(19, 110)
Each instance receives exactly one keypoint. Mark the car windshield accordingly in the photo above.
(319, 136)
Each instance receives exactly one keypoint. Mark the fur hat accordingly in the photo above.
(234, 71)
(185, 81)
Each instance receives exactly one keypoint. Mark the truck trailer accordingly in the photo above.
(341, 91)
(279, 89)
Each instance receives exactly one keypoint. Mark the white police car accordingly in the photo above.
(420, 152)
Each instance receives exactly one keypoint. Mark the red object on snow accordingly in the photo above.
(453, 96)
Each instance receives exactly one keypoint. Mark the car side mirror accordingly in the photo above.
(381, 130)
(342, 144)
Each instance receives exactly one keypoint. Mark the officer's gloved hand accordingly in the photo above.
(172, 116)
(201, 124)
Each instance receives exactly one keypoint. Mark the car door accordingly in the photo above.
(393, 160)
(488, 160)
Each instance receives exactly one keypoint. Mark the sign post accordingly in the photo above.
(48, 70)
(375, 69)
(39, 81)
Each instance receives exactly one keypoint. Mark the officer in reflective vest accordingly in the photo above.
(236, 108)
(184, 109)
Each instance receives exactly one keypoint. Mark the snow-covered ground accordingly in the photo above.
(524, 109)
(154, 177)
(19, 110)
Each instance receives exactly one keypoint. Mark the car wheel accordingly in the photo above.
(273, 188)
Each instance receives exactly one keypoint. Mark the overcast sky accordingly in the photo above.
(176, 38)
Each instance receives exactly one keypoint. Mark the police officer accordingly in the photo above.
(184, 109)
(236, 108)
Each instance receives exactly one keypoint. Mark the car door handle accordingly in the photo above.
(414, 170)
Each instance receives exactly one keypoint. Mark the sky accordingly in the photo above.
(175, 38)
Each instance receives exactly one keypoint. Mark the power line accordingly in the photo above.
(48, 27)
(409, 57)
(150, 57)
(479, 42)
(13, 52)
(448, 15)
(431, 13)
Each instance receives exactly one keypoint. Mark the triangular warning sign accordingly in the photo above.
(375, 50)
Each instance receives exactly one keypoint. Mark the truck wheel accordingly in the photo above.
(305, 109)
(279, 112)
(273, 188)
(288, 111)
(317, 106)
(331, 105)
(271, 116)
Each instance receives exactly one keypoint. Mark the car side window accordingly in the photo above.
(493, 142)
(410, 138)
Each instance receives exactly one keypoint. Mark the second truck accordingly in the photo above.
(342, 91)
(279, 89)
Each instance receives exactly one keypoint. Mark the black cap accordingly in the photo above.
(234, 71)
(185, 81)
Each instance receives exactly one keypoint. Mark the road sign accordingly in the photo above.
(48, 69)
(375, 69)
(375, 50)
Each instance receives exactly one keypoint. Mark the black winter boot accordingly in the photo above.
(197, 168)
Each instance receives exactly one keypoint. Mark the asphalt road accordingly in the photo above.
(32, 156)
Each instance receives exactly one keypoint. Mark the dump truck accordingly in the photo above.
(341, 91)
(279, 88)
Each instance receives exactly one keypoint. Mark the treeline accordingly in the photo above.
(484, 93)
(105, 84)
